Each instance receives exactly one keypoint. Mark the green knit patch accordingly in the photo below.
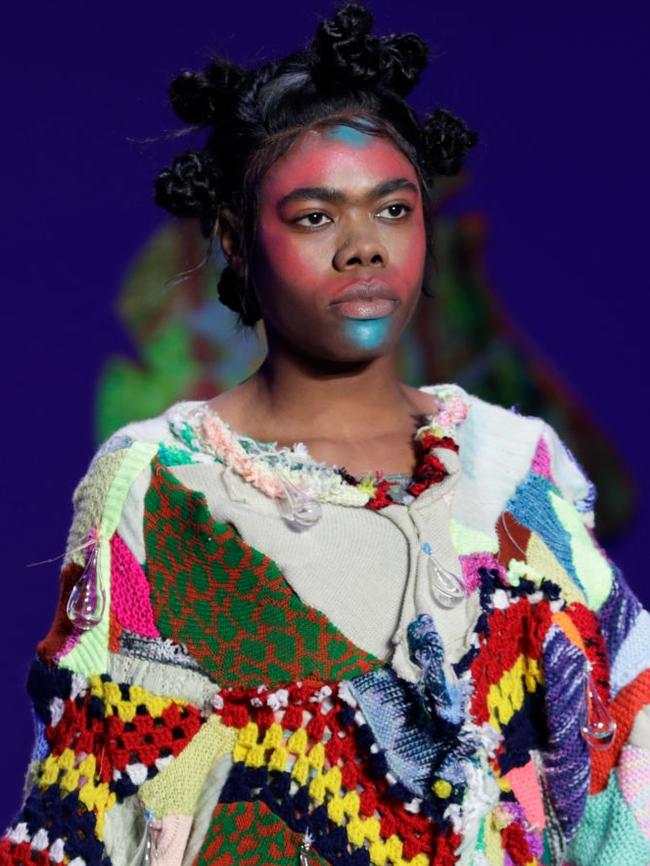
(250, 833)
(608, 833)
(229, 603)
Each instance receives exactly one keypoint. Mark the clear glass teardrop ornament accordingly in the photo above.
(447, 589)
(307, 511)
(305, 847)
(87, 601)
(599, 729)
(302, 509)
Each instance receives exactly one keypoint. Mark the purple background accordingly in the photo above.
(557, 94)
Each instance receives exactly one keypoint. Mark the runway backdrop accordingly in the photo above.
(543, 284)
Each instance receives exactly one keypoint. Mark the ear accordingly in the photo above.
(229, 230)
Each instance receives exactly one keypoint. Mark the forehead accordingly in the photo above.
(341, 157)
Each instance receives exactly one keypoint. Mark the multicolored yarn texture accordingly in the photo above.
(270, 468)
(329, 756)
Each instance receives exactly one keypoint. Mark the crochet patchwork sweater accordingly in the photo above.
(295, 666)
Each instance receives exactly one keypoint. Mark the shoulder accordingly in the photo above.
(523, 492)
(503, 448)
(118, 474)
(106, 537)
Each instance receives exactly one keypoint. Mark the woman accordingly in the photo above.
(326, 617)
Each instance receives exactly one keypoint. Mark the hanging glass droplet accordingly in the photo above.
(87, 600)
(152, 832)
(446, 587)
(599, 729)
(305, 847)
(300, 508)
(307, 512)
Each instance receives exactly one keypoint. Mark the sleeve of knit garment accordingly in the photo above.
(615, 827)
(128, 758)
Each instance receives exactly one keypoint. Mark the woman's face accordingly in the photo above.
(339, 255)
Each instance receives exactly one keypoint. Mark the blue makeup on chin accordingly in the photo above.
(367, 333)
(349, 135)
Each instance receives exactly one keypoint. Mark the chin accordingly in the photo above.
(349, 354)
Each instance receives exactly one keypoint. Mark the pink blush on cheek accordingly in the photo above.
(286, 257)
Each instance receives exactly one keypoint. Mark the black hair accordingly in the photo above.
(345, 74)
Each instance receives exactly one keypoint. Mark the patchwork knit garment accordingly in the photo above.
(285, 671)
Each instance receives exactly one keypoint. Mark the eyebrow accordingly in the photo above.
(337, 196)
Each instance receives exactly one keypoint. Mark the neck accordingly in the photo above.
(338, 400)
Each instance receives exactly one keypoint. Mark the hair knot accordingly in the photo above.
(191, 187)
(236, 294)
(346, 55)
(446, 141)
(206, 97)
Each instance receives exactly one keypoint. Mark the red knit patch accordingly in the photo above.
(61, 628)
(514, 842)
(114, 633)
(623, 710)
(12, 854)
(513, 538)
(520, 629)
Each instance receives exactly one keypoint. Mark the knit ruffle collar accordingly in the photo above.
(270, 468)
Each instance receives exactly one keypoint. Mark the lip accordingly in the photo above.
(365, 299)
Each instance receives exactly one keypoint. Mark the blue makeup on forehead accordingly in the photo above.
(349, 135)
(367, 333)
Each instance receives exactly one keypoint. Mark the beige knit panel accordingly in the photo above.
(161, 679)
(125, 835)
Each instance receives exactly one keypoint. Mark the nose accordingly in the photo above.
(362, 249)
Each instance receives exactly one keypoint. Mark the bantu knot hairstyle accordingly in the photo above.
(254, 115)
(345, 54)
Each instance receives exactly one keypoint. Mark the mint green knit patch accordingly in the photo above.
(170, 455)
(608, 833)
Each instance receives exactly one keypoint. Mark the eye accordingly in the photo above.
(314, 219)
(397, 210)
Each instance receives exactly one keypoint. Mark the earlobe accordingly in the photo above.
(228, 231)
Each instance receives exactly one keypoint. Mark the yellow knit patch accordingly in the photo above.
(504, 784)
(110, 695)
(390, 852)
(540, 557)
(76, 773)
(494, 852)
(175, 790)
(507, 696)
(297, 742)
(273, 737)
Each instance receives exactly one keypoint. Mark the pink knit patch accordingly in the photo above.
(525, 787)
(70, 643)
(130, 599)
(633, 773)
(470, 563)
(542, 460)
